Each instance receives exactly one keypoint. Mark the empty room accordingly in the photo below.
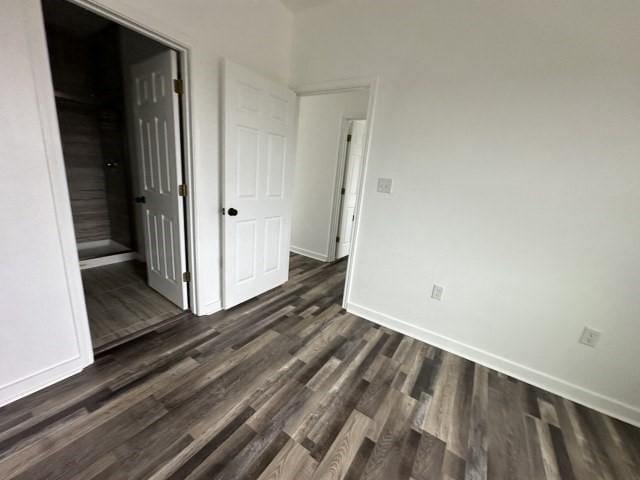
(320, 239)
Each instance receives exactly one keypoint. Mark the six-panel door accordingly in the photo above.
(157, 132)
(351, 185)
(259, 130)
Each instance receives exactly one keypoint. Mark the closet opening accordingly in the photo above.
(118, 100)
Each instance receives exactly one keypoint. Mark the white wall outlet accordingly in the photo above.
(384, 185)
(590, 337)
(437, 291)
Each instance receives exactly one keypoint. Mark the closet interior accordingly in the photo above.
(87, 79)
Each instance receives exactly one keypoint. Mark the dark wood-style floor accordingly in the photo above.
(289, 386)
(121, 305)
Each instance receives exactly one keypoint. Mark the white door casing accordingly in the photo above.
(157, 130)
(351, 186)
(258, 158)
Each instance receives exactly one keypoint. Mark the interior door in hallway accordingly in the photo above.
(157, 131)
(259, 143)
(350, 186)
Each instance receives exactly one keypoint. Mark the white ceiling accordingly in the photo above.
(299, 5)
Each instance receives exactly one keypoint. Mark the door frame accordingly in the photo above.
(57, 173)
(338, 198)
(342, 86)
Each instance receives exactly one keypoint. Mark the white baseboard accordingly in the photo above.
(309, 253)
(575, 393)
(42, 379)
(107, 260)
(209, 308)
(94, 244)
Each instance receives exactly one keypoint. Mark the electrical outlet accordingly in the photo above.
(384, 185)
(436, 292)
(590, 337)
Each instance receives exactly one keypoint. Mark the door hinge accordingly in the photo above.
(337, 239)
(182, 190)
(186, 277)
(223, 211)
(178, 86)
(349, 138)
(343, 191)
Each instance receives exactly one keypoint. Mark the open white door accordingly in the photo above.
(259, 143)
(350, 186)
(157, 131)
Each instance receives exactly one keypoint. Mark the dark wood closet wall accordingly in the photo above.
(87, 79)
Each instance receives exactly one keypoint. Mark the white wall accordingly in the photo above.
(511, 132)
(44, 334)
(320, 122)
(43, 327)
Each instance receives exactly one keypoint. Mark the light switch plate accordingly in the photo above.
(384, 185)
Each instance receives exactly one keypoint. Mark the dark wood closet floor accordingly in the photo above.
(121, 305)
(289, 386)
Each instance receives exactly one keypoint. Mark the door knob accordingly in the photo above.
(141, 200)
(232, 212)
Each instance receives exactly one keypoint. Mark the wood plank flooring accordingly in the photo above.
(121, 305)
(289, 386)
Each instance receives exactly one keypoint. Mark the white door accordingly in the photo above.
(259, 144)
(157, 131)
(350, 186)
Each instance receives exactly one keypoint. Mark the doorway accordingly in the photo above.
(332, 129)
(118, 100)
